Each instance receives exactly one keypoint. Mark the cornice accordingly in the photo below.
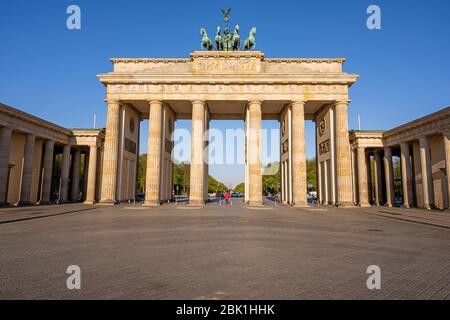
(262, 79)
(151, 60)
(430, 119)
(305, 60)
(15, 113)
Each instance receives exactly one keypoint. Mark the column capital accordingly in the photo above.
(6, 128)
(387, 150)
(404, 145)
(155, 102)
(423, 140)
(255, 101)
(49, 143)
(194, 101)
(295, 102)
(343, 101)
(359, 147)
(112, 101)
(30, 135)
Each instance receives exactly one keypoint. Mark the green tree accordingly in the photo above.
(271, 178)
(181, 175)
(142, 168)
(311, 174)
(240, 188)
(215, 186)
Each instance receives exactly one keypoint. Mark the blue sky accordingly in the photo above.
(49, 71)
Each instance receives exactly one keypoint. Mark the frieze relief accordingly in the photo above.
(226, 65)
(226, 89)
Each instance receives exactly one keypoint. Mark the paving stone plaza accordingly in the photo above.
(223, 252)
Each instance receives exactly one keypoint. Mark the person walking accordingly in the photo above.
(227, 197)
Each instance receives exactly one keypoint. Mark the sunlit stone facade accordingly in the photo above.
(41, 162)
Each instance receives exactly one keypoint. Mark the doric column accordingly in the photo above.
(369, 179)
(326, 198)
(154, 155)
(378, 172)
(48, 171)
(65, 167)
(75, 190)
(92, 174)
(27, 173)
(389, 177)
(197, 175)
(446, 137)
(254, 153)
(406, 175)
(426, 174)
(344, 175)
(110, 155)
(362, 177)
(5, 146)
(299, 183)
(206, 166)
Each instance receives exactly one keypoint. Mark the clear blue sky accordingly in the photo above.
(49, 71)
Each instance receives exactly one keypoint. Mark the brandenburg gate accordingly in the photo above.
(238, 85)
(225, 80)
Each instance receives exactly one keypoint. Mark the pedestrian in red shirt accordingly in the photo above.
(227, 197)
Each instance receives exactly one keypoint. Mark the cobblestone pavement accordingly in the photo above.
(223, 252)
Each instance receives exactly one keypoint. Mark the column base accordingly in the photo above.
(346, 205)
(255, 204)
(89, 202)
(301, 205)
(151, 204)
(107, 202)
(406, 206)
(24, 203)
(196, 203)
(364, 205)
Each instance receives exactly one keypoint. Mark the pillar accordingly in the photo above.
(27, 171)
(75, 192)
(299, 181)
(362, 177)
(389, 177)
(110, 155)
(206, 166)
(92, 174)
(197, 175)
(65, 166)
(406, 174)
(254, 153)
(5, 146)
(47, 172)
(343, 164)
(378, 178)
(426, 174)
(154, 155)
(446, 137)
(326, 198)
(369, 178)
